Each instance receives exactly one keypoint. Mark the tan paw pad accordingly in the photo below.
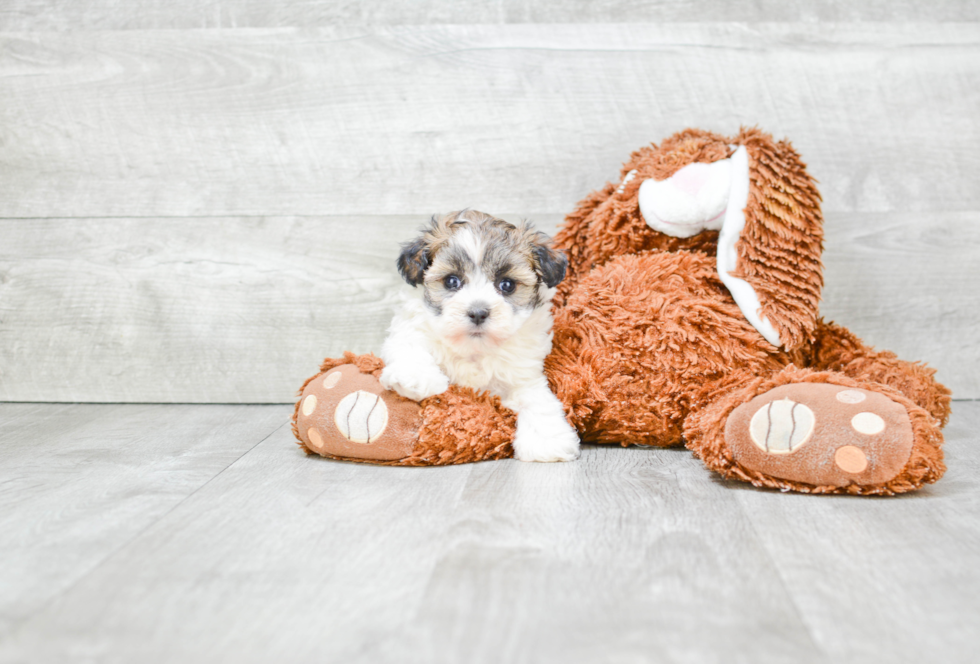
(821, 434)
(868, 423)
(347, 413)
(361, 416)
(850, 459)
(309, 404)
(314, 436)
(851, 396)
(781, 426)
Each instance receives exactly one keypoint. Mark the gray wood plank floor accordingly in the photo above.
(200, 533)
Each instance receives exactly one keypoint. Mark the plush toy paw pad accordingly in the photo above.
(781, 426)
(821, 434)
(361, 416)
(347, 413)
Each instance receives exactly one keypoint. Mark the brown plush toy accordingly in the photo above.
(689, 314)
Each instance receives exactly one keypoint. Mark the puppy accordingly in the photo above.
(484, 321)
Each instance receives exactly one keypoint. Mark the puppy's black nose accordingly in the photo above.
(478, 315)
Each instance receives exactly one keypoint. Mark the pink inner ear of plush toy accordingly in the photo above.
(692, 200)
(691, 178)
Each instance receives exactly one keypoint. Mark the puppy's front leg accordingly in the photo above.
(410, 368)
(543, 433)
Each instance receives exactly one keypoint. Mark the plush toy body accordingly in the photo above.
(689, 313)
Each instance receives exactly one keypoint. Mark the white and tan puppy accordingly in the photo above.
(483, 321)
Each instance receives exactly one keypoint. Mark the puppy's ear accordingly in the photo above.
(414, 260)
(550, 264)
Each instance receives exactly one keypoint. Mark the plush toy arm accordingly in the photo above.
(778, 249)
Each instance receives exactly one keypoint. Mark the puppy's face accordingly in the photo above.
(483, 277)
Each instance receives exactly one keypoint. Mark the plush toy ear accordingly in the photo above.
(778, 250)
(551, 264)
(414, 260)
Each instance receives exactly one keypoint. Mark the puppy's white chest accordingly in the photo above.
(473, 371)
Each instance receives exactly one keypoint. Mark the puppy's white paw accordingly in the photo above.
(545, 439)
(414, 381)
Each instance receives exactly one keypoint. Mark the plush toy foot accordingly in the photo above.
(348, 414)
(823, 437)
(345, 413)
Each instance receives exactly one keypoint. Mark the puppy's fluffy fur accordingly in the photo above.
(484, 321)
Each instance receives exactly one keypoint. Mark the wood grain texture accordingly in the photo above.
(185, 14)
(78, 483)
(905, 282)
(521, 119)
(636, 555)
(242, 310)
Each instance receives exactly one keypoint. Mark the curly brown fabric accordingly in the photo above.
(462, 425)
(648, 341)
(837, 349)
(608, 222)
(780, 246)
(635, 345)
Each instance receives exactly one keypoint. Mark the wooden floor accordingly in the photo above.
(176, 533)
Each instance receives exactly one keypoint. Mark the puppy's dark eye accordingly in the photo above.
(452, 282)
(506, 286)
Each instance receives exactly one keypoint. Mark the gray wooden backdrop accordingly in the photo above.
(198, 201)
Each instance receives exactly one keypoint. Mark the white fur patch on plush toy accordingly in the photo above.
(626, 180)
(731, 230)
(692, 200)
